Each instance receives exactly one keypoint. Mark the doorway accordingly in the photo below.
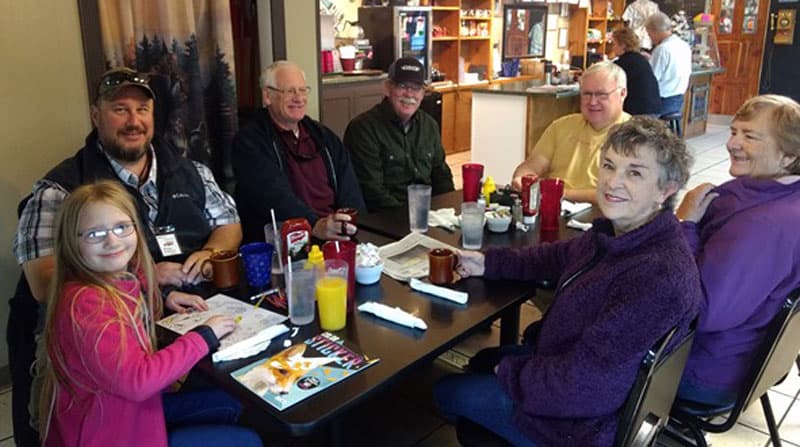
(740, 31)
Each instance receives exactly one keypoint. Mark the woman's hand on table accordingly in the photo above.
(182, 302)
(695, 203)
(469, 263)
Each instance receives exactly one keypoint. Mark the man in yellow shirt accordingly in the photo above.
(570, 146)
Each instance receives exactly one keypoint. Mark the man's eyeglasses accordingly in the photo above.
(410, 87)
(118, 77)
(302, 91)
(99, 235)
(601, 96)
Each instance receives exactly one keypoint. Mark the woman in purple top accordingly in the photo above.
(744, 236)
(620, 287)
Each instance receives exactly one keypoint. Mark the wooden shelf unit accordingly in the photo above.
(580, 22)
(447, 49)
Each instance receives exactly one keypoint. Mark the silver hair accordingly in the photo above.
(659, 22)
(267, 78)
(609, 70)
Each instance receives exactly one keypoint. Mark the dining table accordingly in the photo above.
(401, 349)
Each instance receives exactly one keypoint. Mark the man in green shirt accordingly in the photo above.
(394, 144)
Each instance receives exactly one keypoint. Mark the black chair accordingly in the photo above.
(645, 412)
(648, 406)
(674, 122)
(772, 363)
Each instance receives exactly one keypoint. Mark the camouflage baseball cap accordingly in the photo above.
(118, 78)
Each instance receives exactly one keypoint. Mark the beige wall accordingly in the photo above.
(45, 113)
(301, 45)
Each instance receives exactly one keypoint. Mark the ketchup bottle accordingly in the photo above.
(296, 237)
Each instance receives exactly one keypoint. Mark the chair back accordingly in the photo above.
(777, 352)
(646, 411)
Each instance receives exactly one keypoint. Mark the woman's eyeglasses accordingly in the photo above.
(99, 235)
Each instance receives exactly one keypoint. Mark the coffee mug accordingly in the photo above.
(353, 213)
(224, 269)
(441, 263)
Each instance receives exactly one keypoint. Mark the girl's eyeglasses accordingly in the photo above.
(98, 235)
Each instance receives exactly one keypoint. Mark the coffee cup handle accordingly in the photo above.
(203, 270)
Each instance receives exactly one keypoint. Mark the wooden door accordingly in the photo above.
(740, 30)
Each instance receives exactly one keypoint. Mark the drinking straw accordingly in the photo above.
(276, 239)
(337, 247)
(288, 280)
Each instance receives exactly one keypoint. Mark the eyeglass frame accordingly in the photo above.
(601, 96)
(412, 87)
(92, 237)
(118, 77)
(292, 91)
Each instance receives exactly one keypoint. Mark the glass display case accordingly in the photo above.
(705, 53)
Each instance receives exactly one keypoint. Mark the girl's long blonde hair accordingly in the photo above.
(70, 267)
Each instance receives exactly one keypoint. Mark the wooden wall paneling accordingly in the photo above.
(463, 121)
(449, 121)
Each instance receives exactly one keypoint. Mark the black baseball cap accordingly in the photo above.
(118, 78)
(407, 69)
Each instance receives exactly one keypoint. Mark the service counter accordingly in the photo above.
(508, 119)
(697, 100)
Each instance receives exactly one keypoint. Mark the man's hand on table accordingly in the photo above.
(330, 228)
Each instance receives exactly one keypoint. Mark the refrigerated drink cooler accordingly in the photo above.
(399, 31)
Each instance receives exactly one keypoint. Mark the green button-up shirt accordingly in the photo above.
(388, 157)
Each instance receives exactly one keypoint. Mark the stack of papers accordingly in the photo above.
(569, 208)
(254, 330)
(408, 257)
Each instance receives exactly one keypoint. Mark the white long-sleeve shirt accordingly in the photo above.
(672, 66)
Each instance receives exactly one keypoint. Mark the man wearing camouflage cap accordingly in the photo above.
(187, 215)
(394, 144)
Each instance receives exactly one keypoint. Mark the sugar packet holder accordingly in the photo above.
(441, 292)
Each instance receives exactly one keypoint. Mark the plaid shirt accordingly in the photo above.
(34, 236)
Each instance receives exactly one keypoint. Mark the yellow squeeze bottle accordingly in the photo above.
(315, 258)
(488, 188)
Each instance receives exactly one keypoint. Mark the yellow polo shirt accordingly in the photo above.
(573, 148)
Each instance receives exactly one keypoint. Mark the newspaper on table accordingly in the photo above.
(408, 257)
(254, 329)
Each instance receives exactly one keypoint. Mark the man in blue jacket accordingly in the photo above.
(284, 160)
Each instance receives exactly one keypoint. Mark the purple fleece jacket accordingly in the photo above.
(748, 250)
(597, 331)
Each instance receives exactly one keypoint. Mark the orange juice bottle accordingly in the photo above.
(332, 302)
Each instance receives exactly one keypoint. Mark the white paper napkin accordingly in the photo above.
(568, 208)
(444, 217)
(441, 292)
(393, 314)
(583, 226)
(251, 346)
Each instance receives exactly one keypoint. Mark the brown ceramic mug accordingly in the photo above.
(353, 213)
(224, 269)
(441, 263)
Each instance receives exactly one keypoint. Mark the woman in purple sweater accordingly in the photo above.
(620, 288)
(744, 236)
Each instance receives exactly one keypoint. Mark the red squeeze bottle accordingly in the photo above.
(530, 198)
(296, 237)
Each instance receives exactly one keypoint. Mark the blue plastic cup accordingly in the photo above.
(257, 260)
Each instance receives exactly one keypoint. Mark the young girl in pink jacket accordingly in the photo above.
(105, 377)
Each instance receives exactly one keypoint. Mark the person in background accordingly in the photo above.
(394, 144)
(643, 95)
(284, 160)
(570, 146)
(187, 215)
(744, 236)
(621, 287)
(105, 375)
(671, 61)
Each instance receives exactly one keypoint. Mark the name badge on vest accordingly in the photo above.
(168, 241)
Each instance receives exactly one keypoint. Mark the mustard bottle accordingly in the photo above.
(315, 258)
(488, 188)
